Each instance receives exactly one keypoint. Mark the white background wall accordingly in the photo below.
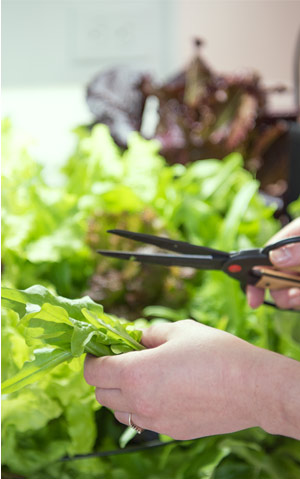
(52, 48)
(258, 35)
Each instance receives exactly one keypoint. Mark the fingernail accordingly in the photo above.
(281, 256)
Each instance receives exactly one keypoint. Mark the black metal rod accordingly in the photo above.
(118, 452)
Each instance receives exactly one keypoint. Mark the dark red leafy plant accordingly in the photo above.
(201, 114)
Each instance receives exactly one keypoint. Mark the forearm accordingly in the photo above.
(277, 392)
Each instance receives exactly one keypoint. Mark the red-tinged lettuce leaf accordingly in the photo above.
(243, 121)
(45, 360)
(208, 116)
(116, 97)
(198, 82)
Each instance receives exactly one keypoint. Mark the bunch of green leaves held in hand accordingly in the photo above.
(66, 329)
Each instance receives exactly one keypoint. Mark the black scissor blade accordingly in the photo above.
(171, 245)
(192, 261)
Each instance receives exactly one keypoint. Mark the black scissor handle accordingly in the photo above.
(279, 244)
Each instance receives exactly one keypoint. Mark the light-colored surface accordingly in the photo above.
(50, 42)
(47, 116)
(257, 35)
(51, 49)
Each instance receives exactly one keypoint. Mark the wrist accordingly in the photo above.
(277, 393)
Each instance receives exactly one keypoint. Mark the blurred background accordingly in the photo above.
(177, 118)
(52, 49)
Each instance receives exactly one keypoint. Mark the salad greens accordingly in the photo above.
(67, 328)
(50, 235)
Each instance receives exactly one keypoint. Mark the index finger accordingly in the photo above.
(104, 372)
(255, 296)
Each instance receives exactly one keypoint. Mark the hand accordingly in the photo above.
(193, 381)
(286, 257)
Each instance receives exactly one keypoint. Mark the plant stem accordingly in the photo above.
(97, 349)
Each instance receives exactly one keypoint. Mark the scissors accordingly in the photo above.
(249, 267)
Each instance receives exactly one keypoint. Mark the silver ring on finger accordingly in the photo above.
(131, 424)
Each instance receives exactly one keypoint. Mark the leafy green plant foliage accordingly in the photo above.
(65, 337)
(50, 235)
(202, 113)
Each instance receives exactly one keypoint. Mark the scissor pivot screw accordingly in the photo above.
(234, 268)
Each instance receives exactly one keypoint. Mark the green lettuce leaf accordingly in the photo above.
(51, 321)
(35, 297)
(45, 360)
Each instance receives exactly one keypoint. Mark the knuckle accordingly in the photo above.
(281, 299)
(152, 332)
(155, 329)
(144, 406)
(127, 379)
(132, 377)
(103, 363)
(99, 396)
(102, 398)
(88, 373)
(136, 384)
(185, 323)
(120, 417)
(189, 322)
(93, 369)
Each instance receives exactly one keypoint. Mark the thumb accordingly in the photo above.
(156, 335)
(287, 257)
